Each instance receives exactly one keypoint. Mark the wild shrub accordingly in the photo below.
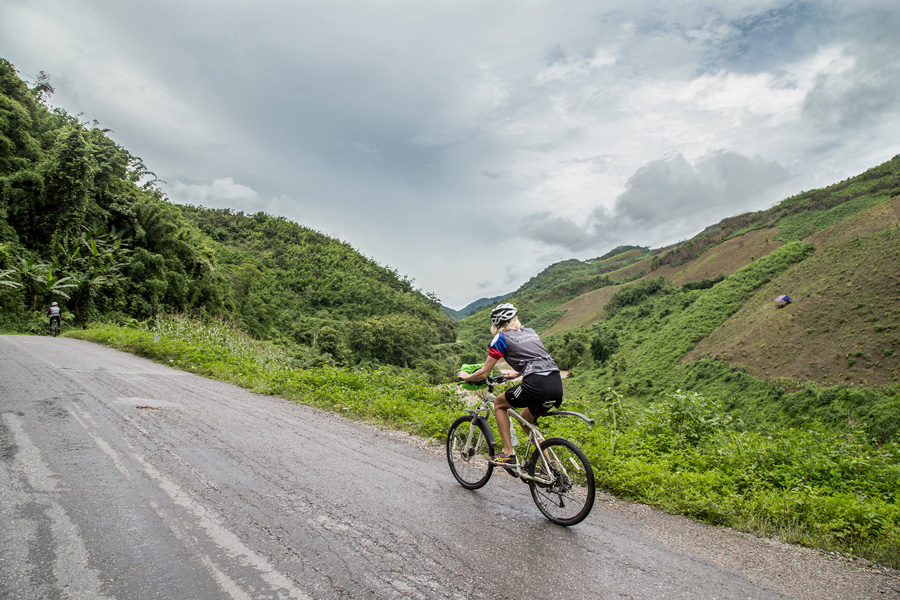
(603, 345)
(703, 284)
(813, 486)
(684, 417)
(634, 294)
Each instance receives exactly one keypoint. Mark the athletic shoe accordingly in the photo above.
(504, 460)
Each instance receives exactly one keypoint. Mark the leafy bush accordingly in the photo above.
(703, 284)
(603, 345)
(684, 417)
(689, 455)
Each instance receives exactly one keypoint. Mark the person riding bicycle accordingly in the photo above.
(541, 388)
(53, 313)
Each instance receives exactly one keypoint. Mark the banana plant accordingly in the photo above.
(9, 283)
(93, 265)
(57, 286)
(31, 273)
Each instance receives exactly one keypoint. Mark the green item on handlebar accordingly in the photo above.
(471, 369)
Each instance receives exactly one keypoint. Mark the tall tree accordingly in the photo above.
(68, 178)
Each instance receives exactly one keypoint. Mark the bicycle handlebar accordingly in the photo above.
(488, 381)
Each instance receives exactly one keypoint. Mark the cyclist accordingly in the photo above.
(541, 388)
(53, 313)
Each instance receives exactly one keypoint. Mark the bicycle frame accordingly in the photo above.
(535, 437)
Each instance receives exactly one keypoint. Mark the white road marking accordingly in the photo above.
(73, 577)
(222, 537)
(107, 449)
(207, 520)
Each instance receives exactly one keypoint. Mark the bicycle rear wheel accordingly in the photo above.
(468, 452)
(563, 485)
(54, 329)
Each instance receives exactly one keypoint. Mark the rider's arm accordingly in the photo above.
(480, 373)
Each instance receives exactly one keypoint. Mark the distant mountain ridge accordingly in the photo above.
(475, 306)
(612, 260)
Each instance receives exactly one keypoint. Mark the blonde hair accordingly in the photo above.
(510, 325)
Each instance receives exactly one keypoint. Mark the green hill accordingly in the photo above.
(81, 223)
(293, 283)
(700, 315)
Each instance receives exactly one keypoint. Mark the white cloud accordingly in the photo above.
(667, 199)
(221, 193)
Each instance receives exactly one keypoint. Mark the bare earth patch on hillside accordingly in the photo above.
(722, 259)
(843, 327)
(583, 310)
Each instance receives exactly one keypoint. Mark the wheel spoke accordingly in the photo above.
(565, 494)
(468, 452)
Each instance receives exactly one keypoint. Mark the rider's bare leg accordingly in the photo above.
(526, 414)
(502, 417)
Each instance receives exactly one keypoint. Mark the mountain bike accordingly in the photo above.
(54, 327)
(557, 472)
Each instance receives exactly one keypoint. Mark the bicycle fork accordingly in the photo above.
(477, 436)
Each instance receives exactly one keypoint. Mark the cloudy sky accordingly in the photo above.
(468, 144)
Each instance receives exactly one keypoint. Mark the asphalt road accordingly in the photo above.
(121, 478)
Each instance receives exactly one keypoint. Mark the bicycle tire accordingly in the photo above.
(54, 329)
(470, 465)
(568, 497)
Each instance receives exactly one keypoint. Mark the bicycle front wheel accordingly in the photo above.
(468, 452)
(562, 483)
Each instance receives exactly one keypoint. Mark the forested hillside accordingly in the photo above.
(290, 282)
(82, 223)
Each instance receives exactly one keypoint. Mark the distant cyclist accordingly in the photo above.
(53, 313)
(541, 388)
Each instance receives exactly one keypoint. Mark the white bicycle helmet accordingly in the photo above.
(53, 304)
(503, 313)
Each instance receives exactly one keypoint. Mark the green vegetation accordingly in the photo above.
(689, 455)
(685, 453)
(678, 377)
(300, 287)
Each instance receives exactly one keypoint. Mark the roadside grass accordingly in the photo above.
(390, 397)
(684, 454)
(688, 455)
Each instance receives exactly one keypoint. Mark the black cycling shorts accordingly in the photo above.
(538, 393)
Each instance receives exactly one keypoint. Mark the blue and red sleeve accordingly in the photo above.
(498, 347)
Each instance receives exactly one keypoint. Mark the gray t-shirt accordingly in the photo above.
(523, 351)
